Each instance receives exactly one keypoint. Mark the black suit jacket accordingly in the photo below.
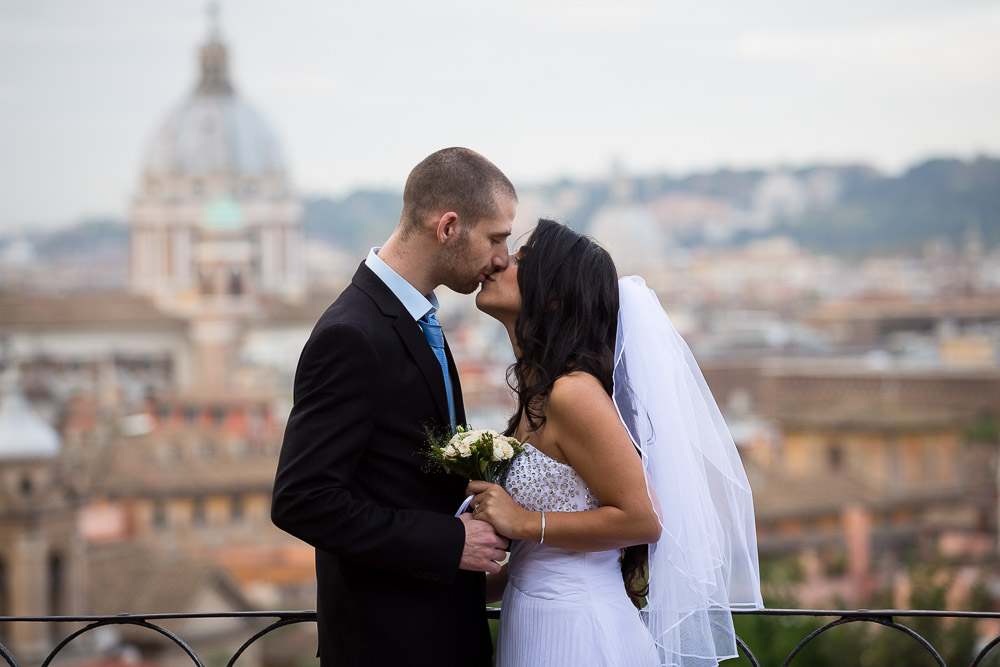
(351, 482)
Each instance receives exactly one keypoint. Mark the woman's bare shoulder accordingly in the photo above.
(577, 395)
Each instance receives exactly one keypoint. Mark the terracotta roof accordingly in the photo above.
(101, 308)
(839, 368)
(306, 311)
(777, 497)
(284, 564)
(134, 580)
(137, 465)
(985, 305)
(867, 416)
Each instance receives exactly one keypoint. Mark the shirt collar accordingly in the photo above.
(416, 304)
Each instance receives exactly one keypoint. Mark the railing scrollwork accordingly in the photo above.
(283, 618)
(887, 618)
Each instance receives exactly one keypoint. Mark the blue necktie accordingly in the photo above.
(432, 332)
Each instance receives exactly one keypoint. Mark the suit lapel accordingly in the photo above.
(456, 387)
(413, 338)
(420, 350)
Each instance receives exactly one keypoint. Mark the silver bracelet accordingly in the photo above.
(542, 541)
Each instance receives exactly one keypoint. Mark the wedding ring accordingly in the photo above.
(475, 510)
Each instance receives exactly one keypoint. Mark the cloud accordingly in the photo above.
(961, 47)
(588, 13)
(543, 86)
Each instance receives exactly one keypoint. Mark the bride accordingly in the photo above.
(630, 490)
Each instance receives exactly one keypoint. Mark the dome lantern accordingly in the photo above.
(214, 61)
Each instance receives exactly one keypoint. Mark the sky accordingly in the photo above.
(359, 92)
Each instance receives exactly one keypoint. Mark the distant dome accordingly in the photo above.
(214, 132)
(23, 434)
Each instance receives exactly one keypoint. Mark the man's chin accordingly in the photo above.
(465, 288)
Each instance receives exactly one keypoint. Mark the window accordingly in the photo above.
(198, 511)
(4, 602)
(4, 593)
(56, 583)
(236, 508)
(159, 514)
(208, 450)
(172, 452)
(835, 456)
(235, 283)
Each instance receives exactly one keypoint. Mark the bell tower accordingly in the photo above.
(42, 559)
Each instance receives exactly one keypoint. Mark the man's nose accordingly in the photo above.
(501, 261)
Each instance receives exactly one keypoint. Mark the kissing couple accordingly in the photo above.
(629, 492)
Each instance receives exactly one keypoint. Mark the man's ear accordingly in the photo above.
(448, 226)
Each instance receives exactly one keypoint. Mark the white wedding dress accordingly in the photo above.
(565, 608)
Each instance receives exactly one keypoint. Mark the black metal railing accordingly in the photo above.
(884, 617)
(153, 622)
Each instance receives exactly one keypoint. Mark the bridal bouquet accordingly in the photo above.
(475, 454)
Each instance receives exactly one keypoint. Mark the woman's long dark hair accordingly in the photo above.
(568, 322)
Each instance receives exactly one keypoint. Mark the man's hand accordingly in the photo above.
(483, 547)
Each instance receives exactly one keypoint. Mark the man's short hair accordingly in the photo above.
(454, 179)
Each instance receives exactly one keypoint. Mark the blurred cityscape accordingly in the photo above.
(847, 322)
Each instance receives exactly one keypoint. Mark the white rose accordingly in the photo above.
(450, 451)
(508, 450)
(497, 450)
(464, 449)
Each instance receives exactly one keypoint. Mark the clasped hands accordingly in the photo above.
(494, 520)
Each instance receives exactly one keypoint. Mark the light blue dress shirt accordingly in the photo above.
(416, 304)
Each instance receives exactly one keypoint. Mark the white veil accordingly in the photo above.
(705, 563)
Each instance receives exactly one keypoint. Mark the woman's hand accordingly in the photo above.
(492, 504)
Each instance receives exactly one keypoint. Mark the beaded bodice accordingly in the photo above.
(537, 482)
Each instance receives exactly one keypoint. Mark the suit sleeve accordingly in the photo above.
(333, 418)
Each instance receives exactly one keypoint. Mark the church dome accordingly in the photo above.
(214, 132)
(23, 434)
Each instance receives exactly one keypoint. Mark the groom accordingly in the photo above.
(399, 578)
